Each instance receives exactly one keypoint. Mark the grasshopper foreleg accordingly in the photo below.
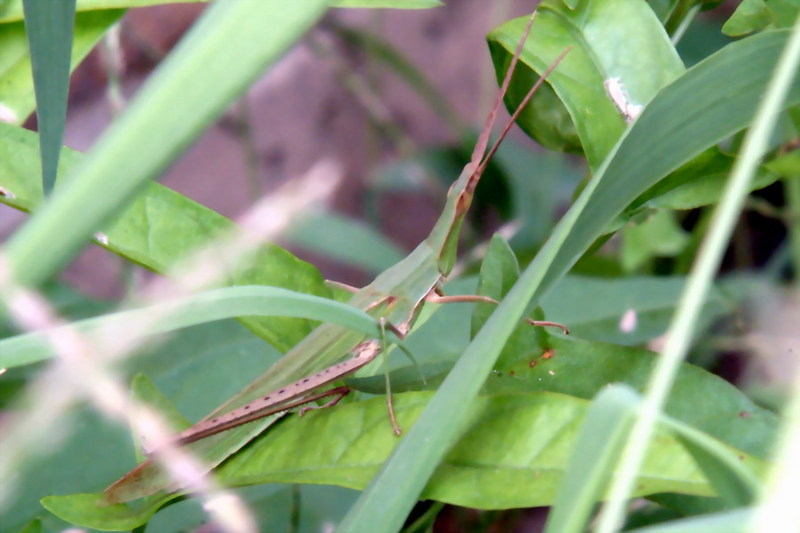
(440, 298)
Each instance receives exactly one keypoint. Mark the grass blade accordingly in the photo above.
(727, 522)
(734, 483)
(595, 452)
(200, 308)
(680, 333)
(49, 28)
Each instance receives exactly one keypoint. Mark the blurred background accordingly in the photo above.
(329, 97)
(394, 97)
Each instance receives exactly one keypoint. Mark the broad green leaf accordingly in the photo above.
(582, 369)
(192, 389)
(602, 34)
(714, 99)
(513, 455)
(750, 16)
(17, 99)
(83, 509)
(755, 15)
(197, 309)
(161, 227)
(628, 311)
(49, 29)
(213, 64)
(787, 165)
(273, 505)
(659, 235)
(698, 183)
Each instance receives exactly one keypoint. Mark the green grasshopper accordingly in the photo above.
(395, 297)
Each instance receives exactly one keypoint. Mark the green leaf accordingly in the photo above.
(750, 16)
(49, 29)
(17, 99)
(84, 509)
(602, 35)
(700, 182)
(160, 228)
(214, 63)
(755, 15)
(628, 311)
(512, 455)
(582, 369)
(659, 235)
(787, 165)
(188, 371)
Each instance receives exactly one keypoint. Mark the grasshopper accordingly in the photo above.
(395, 297)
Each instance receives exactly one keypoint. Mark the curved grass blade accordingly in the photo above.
(713, 100)
(48, 24)
(200, 308)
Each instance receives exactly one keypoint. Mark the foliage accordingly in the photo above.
(497, 415)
